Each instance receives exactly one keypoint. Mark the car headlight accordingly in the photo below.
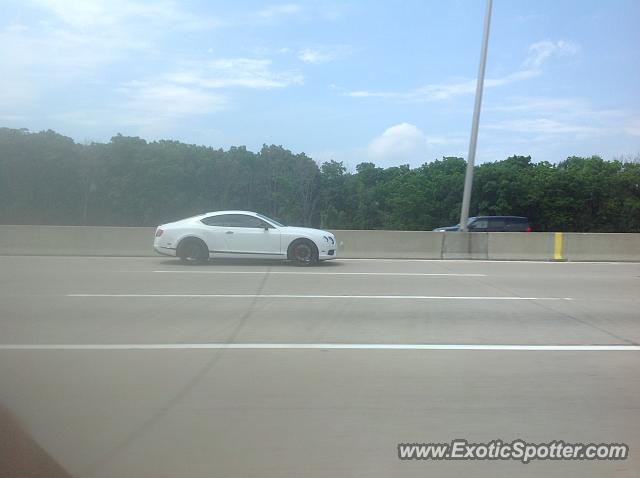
(329, 239)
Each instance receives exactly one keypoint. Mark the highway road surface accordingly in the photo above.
(143, 367)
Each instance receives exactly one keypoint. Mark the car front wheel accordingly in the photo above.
(303, 252)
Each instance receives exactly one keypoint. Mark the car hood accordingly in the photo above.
(306, 231)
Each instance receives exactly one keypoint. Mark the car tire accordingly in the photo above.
(303, 253)
(193, 251)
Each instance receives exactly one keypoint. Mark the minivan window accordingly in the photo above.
(480, 224)
(518, 225)
(498, 223)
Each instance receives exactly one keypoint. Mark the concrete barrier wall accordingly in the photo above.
(76, 241)
(390, 244)
(465, 245)
(535, 246)
(602, 247)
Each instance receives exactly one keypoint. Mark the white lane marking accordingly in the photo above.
(323, 273)
(505, 261)
(547, 348)
(313, 296)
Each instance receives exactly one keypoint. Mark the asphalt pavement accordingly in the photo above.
(145, 367)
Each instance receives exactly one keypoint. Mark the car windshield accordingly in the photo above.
(273, 221)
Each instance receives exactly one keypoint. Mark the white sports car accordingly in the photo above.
(233, 234)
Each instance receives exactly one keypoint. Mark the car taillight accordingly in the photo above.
(159, 232)
(529, 229)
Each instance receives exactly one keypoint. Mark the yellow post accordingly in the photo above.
(557, 246)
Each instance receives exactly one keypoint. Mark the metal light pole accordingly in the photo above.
(468, 179)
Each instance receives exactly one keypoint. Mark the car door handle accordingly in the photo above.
(229, 232)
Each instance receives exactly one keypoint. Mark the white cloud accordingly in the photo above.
(75, 37)
(541, 125)
(82, 14)
(560, 116)
(399, 144)
(324, 54)
(236, 72)
(156, 102)
(72, 46)
(309, 55)
(284, 9)
(538, 104)
(151, 105)
(303, 12)
(71, 41)
(109, 14)
(445, 91)
(403, 143)
(538, 54)
(541, 51)
(60, 53)
(148, 101)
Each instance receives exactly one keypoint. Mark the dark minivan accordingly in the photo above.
(493, 224)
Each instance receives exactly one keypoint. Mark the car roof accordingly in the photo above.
(218, 213)
(501, 217)
(505, 217)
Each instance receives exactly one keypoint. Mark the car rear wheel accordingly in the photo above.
(303, 252)
(193, 252)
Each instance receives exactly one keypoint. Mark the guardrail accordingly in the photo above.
(534, 246)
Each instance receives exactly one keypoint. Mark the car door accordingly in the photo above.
(214, 232)
(246, 234)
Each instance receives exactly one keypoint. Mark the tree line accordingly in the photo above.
(47, 178)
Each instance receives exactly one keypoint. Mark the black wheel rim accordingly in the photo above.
(302, 253)
(192, 253)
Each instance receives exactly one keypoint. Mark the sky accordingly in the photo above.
(385, 82)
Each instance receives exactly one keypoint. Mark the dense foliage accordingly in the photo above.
(46, 178)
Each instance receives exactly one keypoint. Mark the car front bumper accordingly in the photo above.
(327, 254)
(165, 251)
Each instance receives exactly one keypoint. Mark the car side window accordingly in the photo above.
(219, 220)
(479, 224)
(234, 220)
(242, 220)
